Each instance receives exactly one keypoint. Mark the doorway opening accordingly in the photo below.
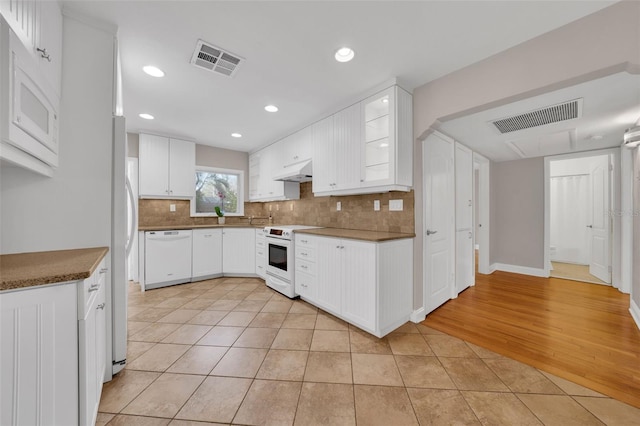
(580, 199)
(481, 212)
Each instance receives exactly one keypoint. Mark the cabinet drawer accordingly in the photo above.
(306, 253)
(88, 289)
(305, 241)
(306, 267)
(305, 285)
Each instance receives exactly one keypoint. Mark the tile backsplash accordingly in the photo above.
(357, 212)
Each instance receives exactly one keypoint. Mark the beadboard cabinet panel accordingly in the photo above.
(39, 356)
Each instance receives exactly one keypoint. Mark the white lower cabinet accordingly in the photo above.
(206, 261)
(368, 284)
(261, 254)
(91, 344)
(53, 357)
(238, 256)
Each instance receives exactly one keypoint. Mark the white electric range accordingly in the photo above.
(280, 257)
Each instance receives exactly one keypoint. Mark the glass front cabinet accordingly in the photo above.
(387, 140)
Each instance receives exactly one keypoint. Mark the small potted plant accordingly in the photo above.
(220, 214)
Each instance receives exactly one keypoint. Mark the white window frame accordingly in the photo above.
(220, 170)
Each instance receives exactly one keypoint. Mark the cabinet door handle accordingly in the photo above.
(44, 54)
(94, 287)
(304, 266)
(104, 270)
(304, 241)
(100, 306)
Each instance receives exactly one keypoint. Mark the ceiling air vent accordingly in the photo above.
(540, 117)
(215, 59)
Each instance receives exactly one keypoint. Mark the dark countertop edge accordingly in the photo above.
(186, 227)
(352, 234)
(54, 279)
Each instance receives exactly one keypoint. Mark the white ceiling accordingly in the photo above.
(289, 47)
(610, 105)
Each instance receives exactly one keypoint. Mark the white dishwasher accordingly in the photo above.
(167, 258)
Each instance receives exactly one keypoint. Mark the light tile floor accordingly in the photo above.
(232, 351)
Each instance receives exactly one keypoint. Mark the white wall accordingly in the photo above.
(600, 44)
(517, 213)
(73, 208)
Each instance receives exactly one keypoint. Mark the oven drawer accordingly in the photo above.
(305, 285)
(306, 267)
(303, 240)
(306, 253)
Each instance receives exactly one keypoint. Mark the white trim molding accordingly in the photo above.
(418, 315)
(635, 312)
(516, 269)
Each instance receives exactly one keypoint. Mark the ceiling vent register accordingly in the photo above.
(215, 59)
(540, 117)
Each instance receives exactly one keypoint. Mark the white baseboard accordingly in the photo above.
(635, 312)
(492, 268)
(524, 270)
(418, 315)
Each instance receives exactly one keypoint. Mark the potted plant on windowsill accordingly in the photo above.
(220, 214)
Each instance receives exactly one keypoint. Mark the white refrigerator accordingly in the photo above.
(120, 244)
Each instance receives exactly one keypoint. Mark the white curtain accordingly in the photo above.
(569, 217)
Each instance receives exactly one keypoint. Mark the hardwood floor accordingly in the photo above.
(581, 332)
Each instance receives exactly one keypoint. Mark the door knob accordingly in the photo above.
(429, 232)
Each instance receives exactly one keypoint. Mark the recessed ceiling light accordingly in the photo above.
(385, 100)
(153, 71)
(595, 137)
(236, 135)
(344, 54)
(146, 116)
(271, 108)
(384, 145)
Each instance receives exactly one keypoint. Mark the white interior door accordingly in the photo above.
(600, 261)
(464, 269)
(439, 208)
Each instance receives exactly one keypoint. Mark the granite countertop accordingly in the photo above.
(181, 227)
(355, 234)
(24, 270)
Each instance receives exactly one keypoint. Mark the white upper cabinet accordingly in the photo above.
(346, 137)
(336, 151)
(369, 148)
(364, 148)
(48, 47)
(296, 147)
(182, 172)
(323, 153)
(387, 140)
(32, 55)
(38, 25)
(263, 165)
(166, 167)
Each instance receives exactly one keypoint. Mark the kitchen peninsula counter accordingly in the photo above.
(24, 270)
(355, 234)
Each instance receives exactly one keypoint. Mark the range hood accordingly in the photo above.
(299, 172)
